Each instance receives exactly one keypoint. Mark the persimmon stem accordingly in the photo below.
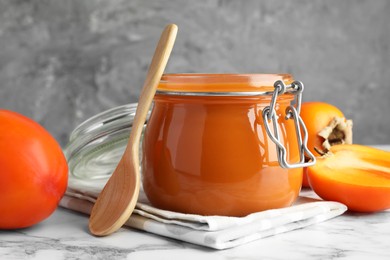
(339, 131)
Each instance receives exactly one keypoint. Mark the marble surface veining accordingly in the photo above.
(65, 235)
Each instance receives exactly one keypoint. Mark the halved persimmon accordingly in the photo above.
(355, 175)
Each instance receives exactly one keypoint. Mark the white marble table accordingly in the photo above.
(65, 236)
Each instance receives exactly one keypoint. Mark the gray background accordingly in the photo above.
(62, 61)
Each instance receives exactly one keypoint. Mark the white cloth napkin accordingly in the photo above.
(218, 232)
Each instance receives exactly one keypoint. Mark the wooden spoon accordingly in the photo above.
(117, 200)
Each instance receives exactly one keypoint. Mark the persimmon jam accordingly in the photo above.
(206, 150)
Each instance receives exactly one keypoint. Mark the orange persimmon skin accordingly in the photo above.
(316, 116)
(355, 175)
(33, 172)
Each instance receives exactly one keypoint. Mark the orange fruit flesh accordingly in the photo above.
(356, 175)
(364, 166)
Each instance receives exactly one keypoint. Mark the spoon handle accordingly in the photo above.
(156, 70)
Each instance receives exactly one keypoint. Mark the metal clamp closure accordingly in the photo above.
(292, 112)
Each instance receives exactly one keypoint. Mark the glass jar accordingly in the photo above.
(224, 144)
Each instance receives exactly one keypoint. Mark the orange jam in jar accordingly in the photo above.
(206, 149)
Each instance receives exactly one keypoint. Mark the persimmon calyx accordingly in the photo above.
(338, 131)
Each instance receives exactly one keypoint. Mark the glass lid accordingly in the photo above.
(96, 145)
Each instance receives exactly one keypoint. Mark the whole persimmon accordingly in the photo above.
(326, 126)
(33, 172)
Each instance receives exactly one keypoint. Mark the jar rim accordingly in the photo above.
(200, 77)
(207, 84)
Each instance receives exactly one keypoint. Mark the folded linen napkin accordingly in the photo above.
(218, 232)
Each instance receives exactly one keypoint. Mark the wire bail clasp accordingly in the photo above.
(292, 112)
